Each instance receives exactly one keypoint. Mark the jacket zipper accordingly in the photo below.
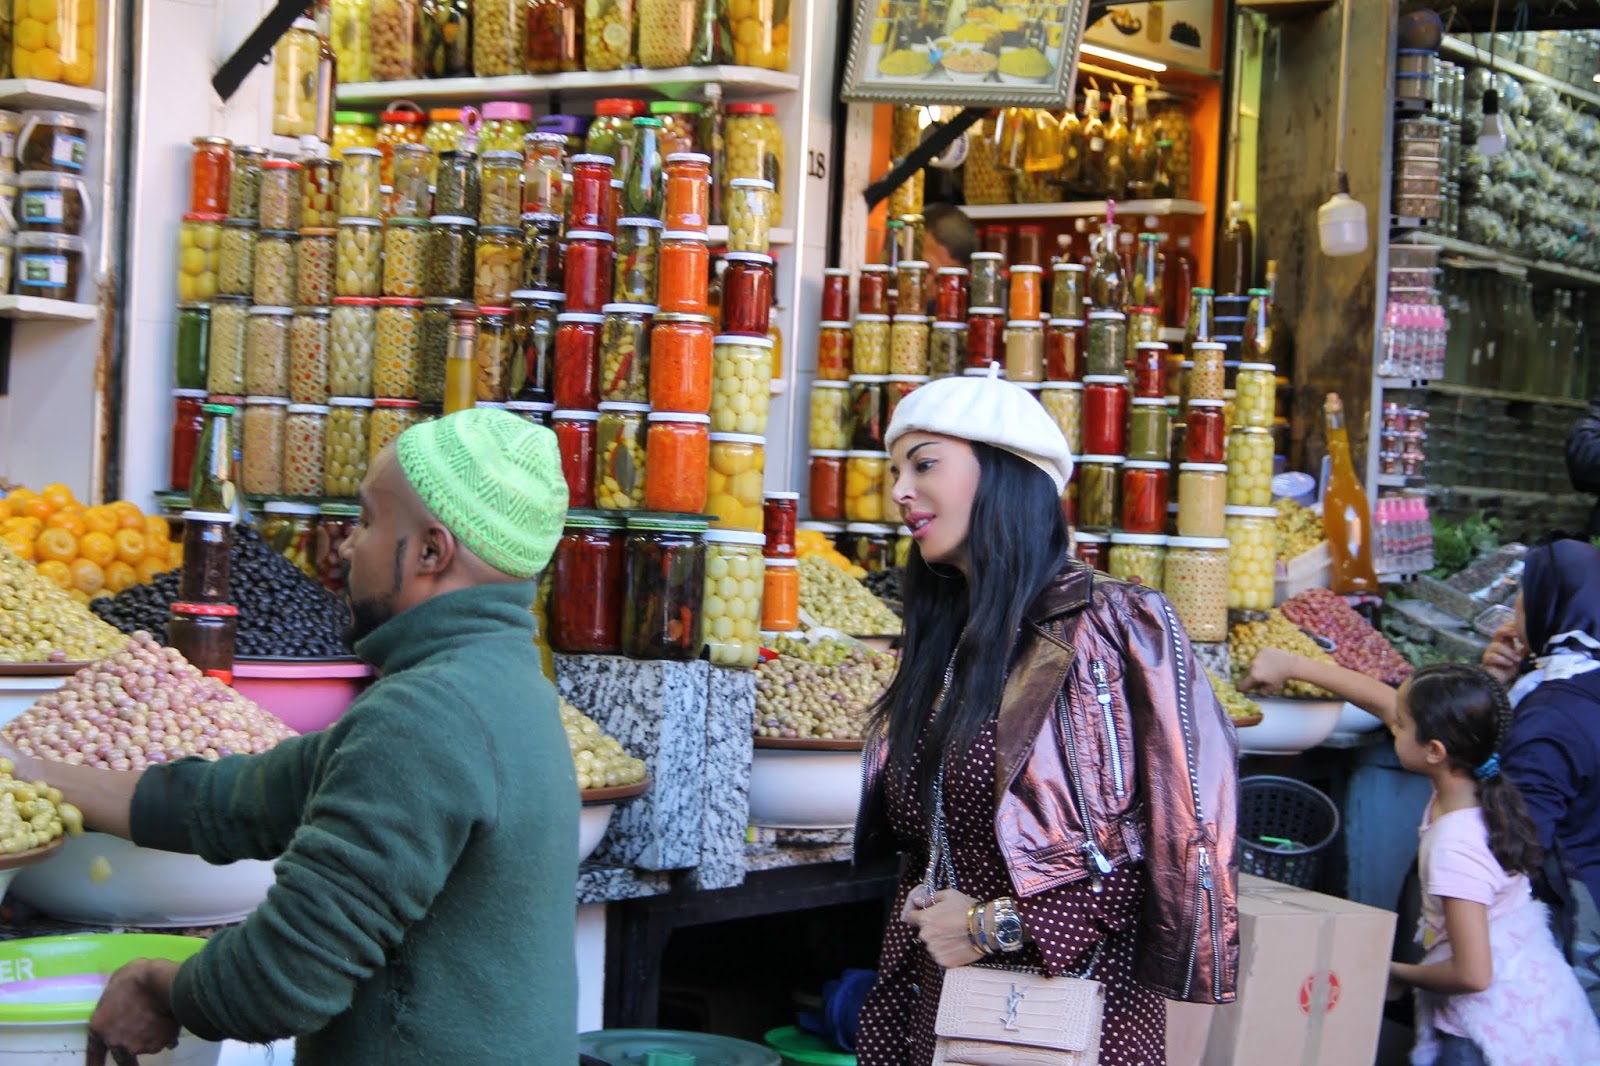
(1102, 689)
(1102, 865)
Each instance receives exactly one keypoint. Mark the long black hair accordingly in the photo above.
(1467, 711)
(1016, 543)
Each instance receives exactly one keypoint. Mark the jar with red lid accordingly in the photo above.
(833, 351)
(576, 433)
(950, 294)
(826, 485)
(1105, 415)
(747, 294)
(835, 295)
(780, 513)
(587, 586)
(187, 422)
(588, 270)
(985, 335)
(1145, 488)
(577, 360)
(1063, 349)
(1207, 435)
(681, 362)
(872, 290)
(687, 193)
(590, 193)
(1150, 370)
(684, 273)
(1027, 291)
(679, 447)
(1091, 550)
(204, 634)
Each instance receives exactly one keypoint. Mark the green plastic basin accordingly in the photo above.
(801, 1048)
(50, 961)
(666, 1047)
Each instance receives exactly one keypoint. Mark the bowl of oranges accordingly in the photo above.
(88, 550)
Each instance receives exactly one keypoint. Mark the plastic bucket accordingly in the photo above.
(1285, 826)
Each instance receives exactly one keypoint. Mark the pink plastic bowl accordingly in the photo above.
(308, 696)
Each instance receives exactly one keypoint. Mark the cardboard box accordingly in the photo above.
(1312, 974)
(1188, 1025)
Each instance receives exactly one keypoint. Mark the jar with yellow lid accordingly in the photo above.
(865, 474)
(1252, 557)
(1196, 584)
(735, 481)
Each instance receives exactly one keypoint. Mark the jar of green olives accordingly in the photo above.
(351, 345)
(1140, 558)
(345, 450)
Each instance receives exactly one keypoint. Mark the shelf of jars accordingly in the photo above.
(1474, 392)
(1462, 51)
(669, 82)
(39, 308)
(1084, 209)
(32, 94)
(1478, 251)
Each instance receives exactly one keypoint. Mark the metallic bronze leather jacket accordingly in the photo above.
(1140, 765)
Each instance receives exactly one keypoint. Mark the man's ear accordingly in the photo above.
(436, 550)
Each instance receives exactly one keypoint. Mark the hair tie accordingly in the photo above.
(1489, 769)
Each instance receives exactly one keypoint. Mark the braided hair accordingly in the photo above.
(1467, 712)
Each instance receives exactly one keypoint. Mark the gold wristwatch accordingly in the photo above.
(1008, 931)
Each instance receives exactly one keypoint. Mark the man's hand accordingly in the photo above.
(1271, 670)
(941, 925)
(1504, 655)
(134, 1015)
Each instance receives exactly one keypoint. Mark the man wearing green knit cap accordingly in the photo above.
(426, 843)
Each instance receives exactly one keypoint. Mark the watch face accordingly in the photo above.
(1008, 930)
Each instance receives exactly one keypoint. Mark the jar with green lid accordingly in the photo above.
(236, 258)
(625, 352)
(290, 529)
(244, 182)
(868, 545)
(1138, 557)
(345, 453)
(457, 191)
(452, 246)
(309, 338)
(1196, 584)
(830, 415)
(266, 351)
(434, 347)
(1252, 557)
(1202, 497)
(500, 189)
(1099, 492)
(735, 573)
(1250, 467)
(496, 349)
(680, 124)
(666, 577)
(619, 456)
(1149, 430)
(261, 451)
(314, 265)
(1108, 343)
(351, 340)
(353, 129)
(225, 348)
(390, 418)
(397, 346)
(192, 348)
(273, 280)
(304, 442)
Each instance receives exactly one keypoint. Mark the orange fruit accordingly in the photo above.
(56, 544)
(119, 575)
(102, 519)
(128, 515)
(38, 508)
(87, 577)
(72, 523)
(30, 526)
(156, 530)
(57, 494)
(150, 566)
(130, 545)
(18, 497)
(5, 510)
(74, 508)
(98, 548)
(20, 543)
(57, 571)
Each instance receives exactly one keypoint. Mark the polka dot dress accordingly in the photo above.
(1064, 924)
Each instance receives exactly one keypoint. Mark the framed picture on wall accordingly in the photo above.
(974, 53)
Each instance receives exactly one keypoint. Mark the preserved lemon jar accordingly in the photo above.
(345, 450)
(53, 42)
(353, 129)
(619, 457)
(261, 451)
(735, 577)
(734, 483)
(830, 415)
(1138, 557)
(499, 28)
(394, 29)
(350, 37)
(869, 345)
(1250, 467)
(865, 475)
(495, 352)
(754, 148)
(1196, 583)
(1252, 557)
(294, 80)
(608, 34)
(199, 254)
(760, 36)
(741, 384)
(358, 257)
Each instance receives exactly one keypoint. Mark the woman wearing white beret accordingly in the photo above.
(1050, 756)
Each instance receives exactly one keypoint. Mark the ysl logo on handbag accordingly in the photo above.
(1013, 1004)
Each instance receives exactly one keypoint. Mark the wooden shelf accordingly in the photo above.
(1455, 48)
(39, 308)
(1083, 209)
(31, 93)
(1472, 392)
(671, 82)
(1574, 275)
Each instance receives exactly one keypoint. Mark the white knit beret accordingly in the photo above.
(990, 411)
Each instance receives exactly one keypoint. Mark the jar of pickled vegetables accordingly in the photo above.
(353, 129)
(1027, 291)
(1144, 326)
(611, 128)
(1140, 558)
(950, 295)
(589, 270)
(833, 351)
(1149, 430)
(1250, 465)
(236, 258)
(868, 545)
(1063, 401)
(290, 529)
(544, 168)
(741, 385)
(1067, 291)
(390, 418)
(437, 314)
(351, 342)
(451, 262)
(830, 415)
(319, 193)
(244, 182)
(457, 192)
(681, 363)
(308, 355)
(404, 123)
(747, 294)
(1099, 491)
(1252, 557)
(1091, 549)
(191, 348)
(1064, 354)
(577, 360)
(1105, 414)
(734, 484)
(405, 253)
(619, 472)
(266, 351)
(411, 196)
(1202, 495)
(497, 269)
(199, 254)
(495, 352)
(304, 441)
(315, 265)
(872, 290)
(294, 79)
(225, 350)
(505, 122)
(358, 257)
(985, 334)
(608, 34)
(870, 344)
(868, 417)
(897, 388)
(1108, 343)
(1255, 395)
(1205, 380)
(1206, 439)
(678, 444)
(500, 189)
(684, 273)
(345, 453)
(866, 474)
(533, 367)
(1145, 491)
(280, 195)
(826, 483)
(625, 353)
(985, 287)
(638, 244)
(554, 37)
(835, 295)
(947, 349)
(754, 149)
(349, 30)
(261, 454)
(666, 579)
(273, 270)
(1196, 583)
(759, 32)
(1024, 350)
(397, 348)
(588, 573)
(575, 439)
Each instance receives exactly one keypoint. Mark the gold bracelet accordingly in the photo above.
(972, 929)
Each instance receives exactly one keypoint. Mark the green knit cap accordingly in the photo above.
(495, 482)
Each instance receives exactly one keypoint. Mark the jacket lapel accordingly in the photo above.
(1028, 701)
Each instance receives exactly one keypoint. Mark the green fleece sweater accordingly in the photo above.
(426, 849)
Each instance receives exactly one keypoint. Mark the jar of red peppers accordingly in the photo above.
(588, 269)
(1063, 349)
(1145, 487)
(746, 294)
(681, 362)
(679, 448)
(687, 195)
(833, 351)
(1091, 549)
(950, 294)
(666, 567)
(985, 335)
(1105, 415)
(684, 273)
(575, 437)
(826, 484)
(986, 288)
(781, 512)
(872, 290)
(588, 572)
(187, 422)
(577, 360)
(590, 206)
(835, 295)
(1206, 438)
(1150, 370)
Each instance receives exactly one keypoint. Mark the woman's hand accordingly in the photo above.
(1502, 659)
(941, 925)
(1271, 670)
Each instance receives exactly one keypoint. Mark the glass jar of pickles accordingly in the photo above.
(608, 34)
(500, 188)
(410, 197)
(1250, 465)
(985, 336)
(541, 259)
(444, 133)
(244, 183)
(833, 351)
(1091, 549)
(1149, 365)
(1108, 343)
(1252, 557)
(872, 290)
(225, 354)
(1063, 400)
(360, 194)
(682, 362)
(351, 340)
(868, 417)
(390, 418)
(866, 474)
(868, 545)
(634, 269)
(505, 122)
(625, 352)
(1105, 414)
(404, 123)
(261, 458)
(435, 347)
(575, 439)
(947, 349)
(749, 211)
(986, 286)
(1140, 558)
(735, 575)
(290, 529)
(754, 149)
(457, 192)
(345, 453)
(1150, 430)
(1067, 290)
(497, 268)
(266, 351)
(908, 343)
(1206, 439)
(734, 483)
(747, 293)
(1196, 583)
(589, 270)
(319, 193)
(397, 348)
(236, 258)
(358, 257)
(830, 415)
(1099, 491)
(533, 368)
(1064, 355)
(666, 577)
(450, 265)
(314, 267)
(294, 82)
(1145, 491)
(1255, 395)
(619, 472)
(303, 443)
(870, 345)
(494, 355)
(678, 445)
(191, 349)
(741, 384)
(897, 387)
(273, 280)
(1202, 496)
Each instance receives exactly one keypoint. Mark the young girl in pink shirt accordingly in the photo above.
(1492, 989)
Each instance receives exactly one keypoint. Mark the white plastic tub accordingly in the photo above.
(1290, 726)
(805, 789)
